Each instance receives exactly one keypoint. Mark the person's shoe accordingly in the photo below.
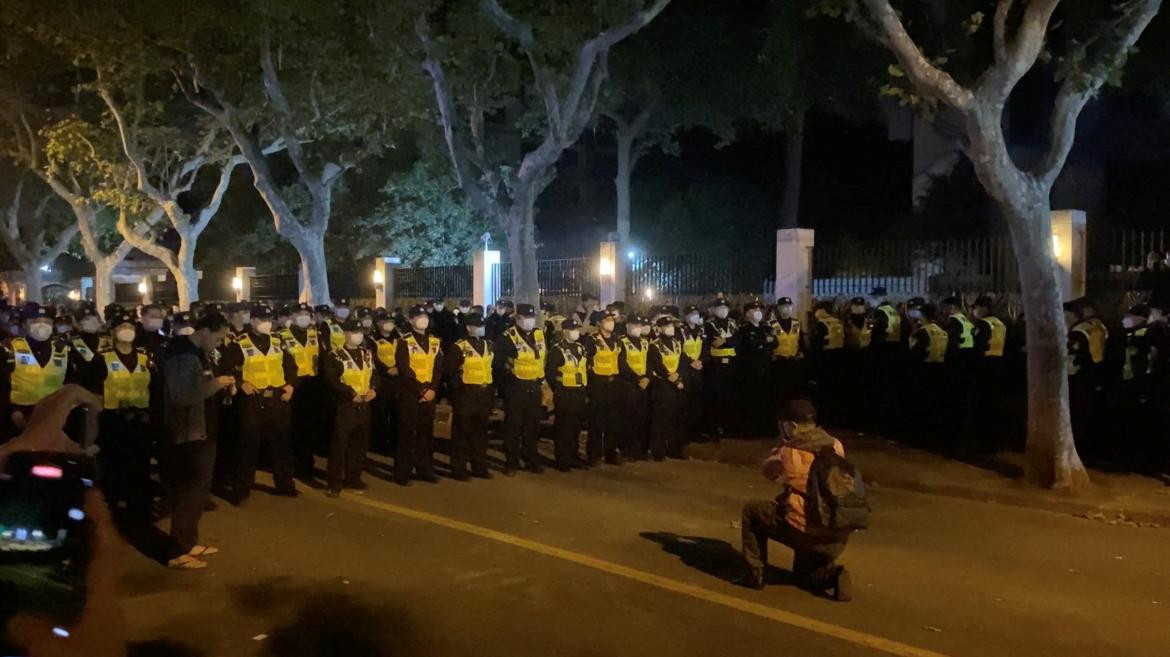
(403, 481)
(460, 476)
(292, 492)
(186, 562)
(752, 579)
(333, 492)
(361, 485)
(483, 474)
(429, 478)
(843, 586)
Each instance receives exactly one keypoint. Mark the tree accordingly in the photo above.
(568, 67)
(35, 234)
(1021, 192)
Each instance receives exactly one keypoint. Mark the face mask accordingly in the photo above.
(40, 331)
(13, 329)
(572, 336)
(756, 315)
(152, 324)
(90, 325)
(63, 328)
(342, 313)
(634, 331)
(354, 339)
(245, 318)
(367, 322)
(439, 306)
(386, 327)
(125, 335)
(264, 327)
(186, 330)
(785, 312)
(721, 312)
(421, 323)
(527, 323)
(477, 331)
(1129, 321)
(464, 309)
(914, 314)
(857, 310)
(500, 310)
(302, 321)
(694, 320)
(668, 331)
(285, 322)
(979, 313)
(607, 325)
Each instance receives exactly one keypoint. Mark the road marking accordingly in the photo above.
(883, 644)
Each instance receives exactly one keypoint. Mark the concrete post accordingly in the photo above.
(242, 283)
(485, 288)
(384, 280)
(1069, 248)
(794, 275)
(611, 274)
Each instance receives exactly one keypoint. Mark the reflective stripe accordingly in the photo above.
(936, 347)
(834, 333)
(80, 347)
(353, 374)
(726, 334)
(635, 355)
(528, 365)
(422, 361)
(477, 367)
(30, 382)
(858, 338)
(1095, 331)
(605, 359)
(967, 337)
(998, 338)
(123, 388)
(572, 373)
(787, 342)
(263, 370)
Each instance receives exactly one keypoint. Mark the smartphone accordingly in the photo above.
(45, 538)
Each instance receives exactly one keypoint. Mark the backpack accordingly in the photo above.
(835, 502)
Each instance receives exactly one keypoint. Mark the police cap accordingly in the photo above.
(525, 310)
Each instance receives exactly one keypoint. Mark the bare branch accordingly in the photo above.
(284, 116)
(64, 238)
(14, 210)
(1019, 55)
(927, 78)
(1002, 10)
(212, 207)
(130, 149)
(136, 238)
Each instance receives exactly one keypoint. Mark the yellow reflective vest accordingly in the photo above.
(936, 346)
(858, 337)
(605, 360)
(893, 322)
(1096, 334)
(422, 361)
(477, 367)
(336, 334)
(635, 354)
(671, 353)
(528, 364)
(30, 382)
(787, 342)
(572, 372)
(263, 369)
(998, 337)
(305, 354)
(692, 345)
(386, 351)
(967, 336)
(834, 333)
(123, 388)
(354, 374)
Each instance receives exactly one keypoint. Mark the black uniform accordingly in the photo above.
(693, 375)
(754, 355)
(471, 408)
(416, 417)
(445, 326)
(125, 440)
(668, 365)
(721, 383)
(351, 423)
(633, 413)
(603, 394)
(523, 408)
(384, 424)
(571, 400)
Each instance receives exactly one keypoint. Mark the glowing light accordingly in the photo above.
(1056, 245)
(61, 632)
(649, 293)
(46, 268)
(46, 472)
(237, 283)
(630, 254)
(378, 278)
(605, 267)
(142, 287)
(74, 295)
(76, 514)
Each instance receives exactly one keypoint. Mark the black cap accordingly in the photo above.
(34, 310)
(361, 312)
(664, 321)
(857, 301)
(929, 310)
(183, 317)
(236, 306)
(465, 302)
(87, 310)
(784, 301)
(952, 301)
(691, 309)
(715, 303)
(826, 306)
(1139, 310)
(878, 291)
(984, 302)
(671, 310)
(548, 306)
(799, 411)
(417, 309)
(284, 310)
(381, 315)
(261, 312)
(343, 301)
(123, 318)
(473, 319)
(323, 308)
(916, 302)
(753, 305)
(637, 319)
(351, 324)
(570, 323)
(525, 310)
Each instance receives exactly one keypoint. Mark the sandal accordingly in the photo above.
(186, 562)
(203, 551)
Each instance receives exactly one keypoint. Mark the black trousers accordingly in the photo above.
(227, 453)
(633, 419)
(416, 436)
(667, 433)
(124, 459)
(264, 421)
(572, 413)
(384, 423)
(312, 416)
(186, 479)
(351, 441)
(757, 399)
(603, 436)
(471, 408)
(722, 391)
(694, 405)
(813, 559)
(522, 415)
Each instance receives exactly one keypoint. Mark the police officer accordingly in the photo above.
(501, 321)
(88, 340)
(721, 384)
(35, 366)
(668, 363)
(266, 372)
(991, 371)
(383, 343)
(757, 346)
(552, 320)
(587, 313)
(888, 347)
(310, 408)
(1087, 339)
(419, 360)
(634, 387)
(788, 363)
(444, 324)
(1137, 417)
(928, 351)
(349, 373)
(567, 372)
(125, 435)
(151, 336)
(469, 378)
(329, 322)
(826, 351)
(365, 318)
(604, 393)
(523, 350)
(239, 316)
(693, 335)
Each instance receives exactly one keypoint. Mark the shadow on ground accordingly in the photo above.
(713, 556)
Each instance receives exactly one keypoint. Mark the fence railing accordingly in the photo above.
(446, 282)
(696, 275)
(568, 277)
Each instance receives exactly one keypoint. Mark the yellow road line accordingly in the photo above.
(732, 602)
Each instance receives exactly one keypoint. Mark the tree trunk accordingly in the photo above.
(625, 170)
(33, 282)
(1052, 459)
(793, 172)
(316, 274)
(521, 235)
(186, 278)
(103, 282)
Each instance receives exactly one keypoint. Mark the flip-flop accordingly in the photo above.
(186, 562)
(203, 551)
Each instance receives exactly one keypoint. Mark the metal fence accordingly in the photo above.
(447, 282)
(568, 277)
(681, 276)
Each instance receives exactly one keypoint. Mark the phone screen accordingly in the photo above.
(44, 538)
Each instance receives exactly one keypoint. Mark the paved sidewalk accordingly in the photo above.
(1114, 498)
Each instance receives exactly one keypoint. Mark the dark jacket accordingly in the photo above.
(188, 382)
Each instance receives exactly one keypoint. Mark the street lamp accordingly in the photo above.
(605, 267)
(649, 293)
(237, 283)
(142, 287)
(379, 279)
(1056, 246)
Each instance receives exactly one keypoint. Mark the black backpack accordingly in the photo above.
(835, 502)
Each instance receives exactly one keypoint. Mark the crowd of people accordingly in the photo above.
(210, 393)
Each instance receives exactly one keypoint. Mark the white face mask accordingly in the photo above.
(756, 315)
(573, 335)
(914, 314)
(464, 309)
(439, 306)
(40, 331)
(421, 323)
(386, 327)
(342, 313)
(245, 318)
(302, 321)
(64, 328)
(152, 324)
(1129, 321)
(634, 331)
(186, 330)
(476, 331)
(367, 322)
(124, 335)
(721, 312)
(501, 310)
(264, 327)
(694, 319)
(527, 323)
(90, 325)
(607, 325)
(354, 339)
(668, 331)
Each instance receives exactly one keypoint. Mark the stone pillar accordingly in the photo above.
(794, 275)
(1069, 249)
(485, 287)
(384, 280)
(611, 274)
(146, 289)
(242, 283)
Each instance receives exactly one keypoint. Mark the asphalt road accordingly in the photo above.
(638, 560)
